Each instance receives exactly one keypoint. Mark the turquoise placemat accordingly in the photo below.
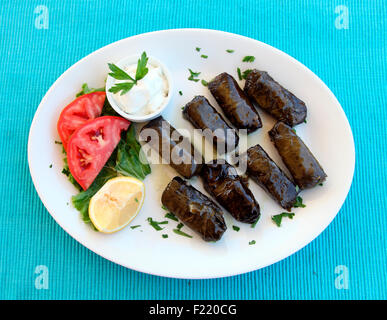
(343, 42)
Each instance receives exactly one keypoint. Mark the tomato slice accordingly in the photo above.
(90, 147)
(73, 116)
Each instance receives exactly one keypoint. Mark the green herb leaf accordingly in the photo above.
(204, 56)
(239, 73)
(86, 89)
(58, 142)
(128, 162)
(246, 73)
(134, 227)
(298, 203)
(124, 86)
(320, 184)
(204, 83)
(50, 166)
(181, 93)
(118, 73)
(236, 228)
(230, 50)
(255, 223)
(142, 70)
(248, 59)
(193, 75)
(297, 188)
(164, 208)
(156, 224)
(278, 218)
(181, 233)
(179, 226)
(165, 236)
(252, 242)
(305, 121)
(198, 49)
(171, 216)
(82, 199)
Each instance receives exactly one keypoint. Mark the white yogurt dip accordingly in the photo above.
(148, 95)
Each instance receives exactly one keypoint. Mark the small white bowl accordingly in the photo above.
(141, 118)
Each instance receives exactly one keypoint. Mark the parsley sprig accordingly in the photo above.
(278, 218)
(120, 74)
(193, 75)
(299, 203)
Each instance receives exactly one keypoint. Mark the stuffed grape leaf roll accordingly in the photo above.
(172, 147)
(194, 209)
(204, 116)
(229, 189)
(303, 166)
(265, 172)
(235, 104)
(270, 96)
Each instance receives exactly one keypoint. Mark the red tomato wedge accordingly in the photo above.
(90, 147)
(77, 113)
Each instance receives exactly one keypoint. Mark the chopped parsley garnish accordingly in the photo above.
(252, 242)
(58, 142)
(230, 50)
(164, 208)
(248, 59)
(171, 216)
(204, 56)
(134, 227)
(278, 218)
(298, 203)
(255, 223)
(320, 184)
(135, 199)
(165, 236)
(156, 224)
(86, 89)
(239, 73)
(198, 49)
(181, 233)
(50, 166)
(297, 188)
(180, 225)
(120, 74)
(246, 73)
(193, 75)
(181, 93)
(204, 83)
(305, 121)
(294, 130)
(182, 108)
(236, 228)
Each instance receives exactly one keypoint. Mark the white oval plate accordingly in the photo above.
(327, 133)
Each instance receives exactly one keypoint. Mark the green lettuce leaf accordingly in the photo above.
(82, 199)
(128, 157)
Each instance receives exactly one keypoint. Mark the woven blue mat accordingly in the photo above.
(343, 42)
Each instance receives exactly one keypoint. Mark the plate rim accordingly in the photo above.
(300, 245)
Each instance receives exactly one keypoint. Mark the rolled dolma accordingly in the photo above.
(231, 192)
(204, 116)
(235, 104)
(274, 99)
(303, 166)
(194, 209)
(265, 172)
(172, 147)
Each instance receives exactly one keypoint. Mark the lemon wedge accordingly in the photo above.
(116, 204)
